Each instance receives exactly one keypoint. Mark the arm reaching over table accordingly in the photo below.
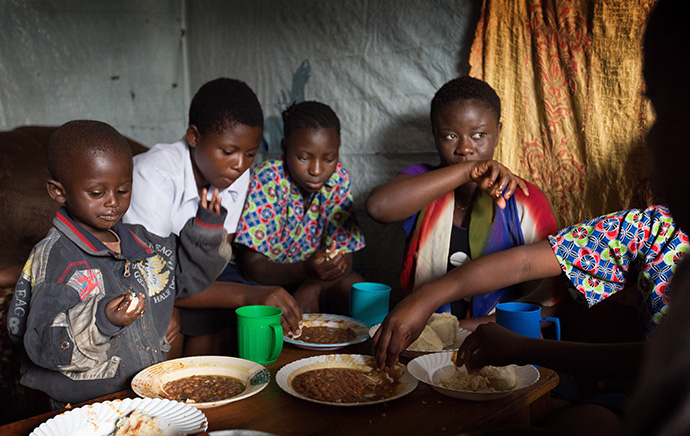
(406, 321)
(492, 344)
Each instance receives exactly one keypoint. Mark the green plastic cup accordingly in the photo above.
(259, 333)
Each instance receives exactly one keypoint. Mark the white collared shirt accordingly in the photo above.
(165, 195)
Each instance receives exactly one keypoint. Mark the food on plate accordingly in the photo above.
(346, 385)
(441, 331)
(137, 423)
(203, 388)
(301, 326)
(326, 335)
(446, 326)
(487, 379)
(502, 378)
(427, 341)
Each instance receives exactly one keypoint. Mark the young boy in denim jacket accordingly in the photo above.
(95, 298)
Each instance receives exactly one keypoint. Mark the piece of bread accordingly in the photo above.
(330, 255)
(488, 379)
(501, 378)
(137, 423)
(427, 341)
(446, 326)
(133, 302)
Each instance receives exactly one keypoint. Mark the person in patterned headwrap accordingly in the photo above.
(660, 403)
(598, 258)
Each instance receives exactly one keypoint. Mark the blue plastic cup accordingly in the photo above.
(524, 319)
(369, 302)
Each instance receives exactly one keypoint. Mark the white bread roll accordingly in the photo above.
(427, 341)
(446, 326)
(133, 302)
(501, 378)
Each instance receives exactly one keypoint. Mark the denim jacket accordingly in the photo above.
(58, 309)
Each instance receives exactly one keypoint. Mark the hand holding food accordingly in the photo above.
(399, 329)
(328, 263)
(124, 309)
(487, 379)
(278, 297)
(490, 344)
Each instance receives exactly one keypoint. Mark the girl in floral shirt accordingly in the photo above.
(298, 228)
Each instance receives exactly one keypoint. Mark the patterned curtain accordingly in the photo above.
(569, 73)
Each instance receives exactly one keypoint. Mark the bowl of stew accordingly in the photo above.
(326, 332)
(202, 381)
(344, 380)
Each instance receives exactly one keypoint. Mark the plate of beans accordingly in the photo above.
(325, 332)
(202, 381)
(344, 380)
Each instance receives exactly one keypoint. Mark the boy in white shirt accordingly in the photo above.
(223, 136)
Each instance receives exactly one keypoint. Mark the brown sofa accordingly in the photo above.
(27, 215)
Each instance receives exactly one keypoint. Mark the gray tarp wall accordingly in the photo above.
(135, 64)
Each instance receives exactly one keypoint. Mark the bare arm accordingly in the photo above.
(405, 195)
(492, 344)
(494, 271)
(485, 274)
(230, 295)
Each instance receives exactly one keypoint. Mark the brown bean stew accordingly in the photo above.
(203, 388)
(344, 385)
(327, 335)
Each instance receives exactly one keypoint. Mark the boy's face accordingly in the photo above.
(311, 156)
(466, 130)
(98, 195)
(221, 158)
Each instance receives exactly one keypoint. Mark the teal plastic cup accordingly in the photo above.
(524, 319)
(369, 302)
(259, 333)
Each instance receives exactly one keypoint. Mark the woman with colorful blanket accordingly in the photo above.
(466, 207)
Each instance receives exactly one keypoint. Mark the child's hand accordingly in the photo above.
(125, 309)
(214, 204)
(327, 263)
(280, 298)
(497, 181)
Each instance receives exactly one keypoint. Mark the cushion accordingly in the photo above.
(27, 208)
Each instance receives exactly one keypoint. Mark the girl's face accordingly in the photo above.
(99, 194)
(466, 130)
(311, 156)
(220, 158)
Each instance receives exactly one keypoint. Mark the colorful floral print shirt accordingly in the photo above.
(275, 224)
(598, 257)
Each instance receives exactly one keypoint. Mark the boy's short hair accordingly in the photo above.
(223, 103)
(465, 88)
(82, 137)
(310, 114)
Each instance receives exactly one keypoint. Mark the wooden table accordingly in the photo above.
(423, 411)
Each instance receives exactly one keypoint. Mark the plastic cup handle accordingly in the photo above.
(278, 341)
(558, 325)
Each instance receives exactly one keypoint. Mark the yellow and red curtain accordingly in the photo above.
(569, 74)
